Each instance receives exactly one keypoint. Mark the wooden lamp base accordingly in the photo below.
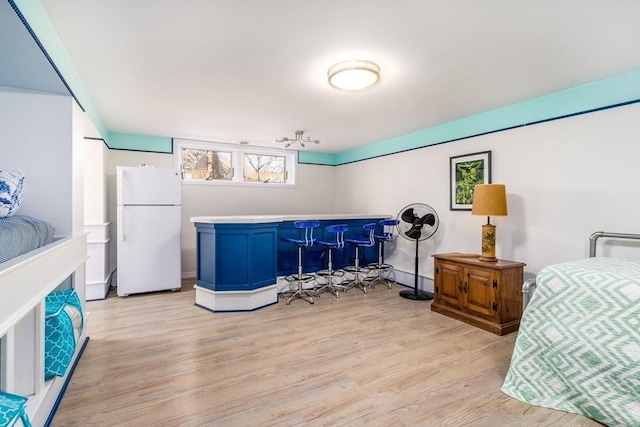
(488, 243)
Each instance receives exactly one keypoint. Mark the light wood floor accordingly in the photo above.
(375, 360)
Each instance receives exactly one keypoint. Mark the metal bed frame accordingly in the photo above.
(530, 284)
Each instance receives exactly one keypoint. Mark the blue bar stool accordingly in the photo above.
(385, 272)
(361, 242)
(13, 407)
(330, 274)
(301, 278)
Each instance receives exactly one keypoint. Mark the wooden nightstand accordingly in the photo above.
(483, 294)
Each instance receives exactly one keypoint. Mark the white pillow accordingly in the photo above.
(11, 189)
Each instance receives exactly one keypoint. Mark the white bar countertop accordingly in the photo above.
(256, 219)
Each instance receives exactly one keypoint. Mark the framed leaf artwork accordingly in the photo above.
(467, 171)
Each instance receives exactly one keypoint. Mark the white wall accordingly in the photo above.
(41, 136)
(565, 179)
(95, 184)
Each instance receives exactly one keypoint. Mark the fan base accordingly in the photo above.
(418, 295)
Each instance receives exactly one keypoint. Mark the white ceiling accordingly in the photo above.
(256, 70)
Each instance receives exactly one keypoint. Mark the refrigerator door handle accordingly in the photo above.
(121, 223)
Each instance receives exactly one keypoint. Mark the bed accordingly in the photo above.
(42, 320)
(578, 347)
(20, 234)
(25, 283)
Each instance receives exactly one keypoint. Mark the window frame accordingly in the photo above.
(237, 162)
(259, 155)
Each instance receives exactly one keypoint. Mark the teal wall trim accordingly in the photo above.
(155, 144)
(38, 20)
(615, 91)
(315, 158)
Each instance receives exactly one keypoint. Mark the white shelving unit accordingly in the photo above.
(41, 135)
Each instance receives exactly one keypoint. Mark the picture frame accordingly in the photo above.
(465, 172)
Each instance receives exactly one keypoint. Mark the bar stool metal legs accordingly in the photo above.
(300, 278)
(330, 275)
(384, 272)
(359, 272)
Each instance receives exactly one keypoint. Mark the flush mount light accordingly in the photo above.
(354, 75)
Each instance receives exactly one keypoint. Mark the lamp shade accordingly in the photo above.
(489, 200)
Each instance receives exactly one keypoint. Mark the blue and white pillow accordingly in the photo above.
(11, 189)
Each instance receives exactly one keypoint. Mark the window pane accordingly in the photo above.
(206, 164)
(264, 168)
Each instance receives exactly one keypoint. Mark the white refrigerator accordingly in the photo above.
(148, 203)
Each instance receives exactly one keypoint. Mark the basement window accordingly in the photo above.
(264, 168)
(204, 162)
(208, 165)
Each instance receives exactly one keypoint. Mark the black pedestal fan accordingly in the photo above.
(417, 222)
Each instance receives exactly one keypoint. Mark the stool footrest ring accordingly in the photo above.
(335, 273)
(376, 266)
(298, 278)
(360, 269)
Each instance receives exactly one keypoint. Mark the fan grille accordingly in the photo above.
(417, 221)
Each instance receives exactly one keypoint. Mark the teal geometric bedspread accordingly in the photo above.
(578, 347)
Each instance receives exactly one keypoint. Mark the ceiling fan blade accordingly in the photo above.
(408, 216)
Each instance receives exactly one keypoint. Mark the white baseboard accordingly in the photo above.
(188, 274)
(236, 300)
(407, 279)
(98, 290)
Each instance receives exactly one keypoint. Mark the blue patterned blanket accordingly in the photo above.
(20, 234)
(578, 347)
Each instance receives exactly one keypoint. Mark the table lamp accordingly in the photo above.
(489, 200)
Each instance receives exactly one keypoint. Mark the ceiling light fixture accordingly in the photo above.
(299, 138)
(354, 75)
